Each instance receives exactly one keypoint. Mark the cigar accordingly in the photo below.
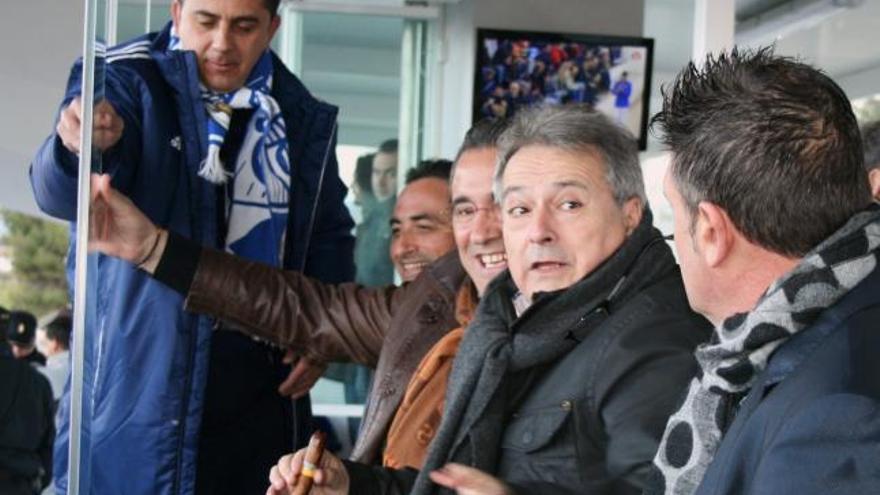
(310, 464)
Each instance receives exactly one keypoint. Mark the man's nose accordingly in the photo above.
(486, 225)
(220, 39)
(540, 228)
(404, 244)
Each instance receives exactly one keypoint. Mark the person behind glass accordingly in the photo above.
(390, 328)
(21, 333)
(53, 337)
(871, 141)
(360, 187)
(26, 427)
(209, 133)
(779, 244)
(592, 291)
(374, 267)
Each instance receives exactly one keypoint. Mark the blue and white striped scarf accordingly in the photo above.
(257, 209)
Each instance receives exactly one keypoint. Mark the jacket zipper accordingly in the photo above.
(314, 212)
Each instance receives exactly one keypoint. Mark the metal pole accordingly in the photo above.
(82, 239)
(110, 23)
(148, 16)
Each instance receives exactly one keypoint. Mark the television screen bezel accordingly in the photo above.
(586, 38)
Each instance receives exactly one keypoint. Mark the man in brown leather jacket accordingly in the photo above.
(389, 329)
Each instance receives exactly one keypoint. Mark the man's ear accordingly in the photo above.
(714, 234)
(632, 214)
(175, 13)
(273, 25)
(874, 180)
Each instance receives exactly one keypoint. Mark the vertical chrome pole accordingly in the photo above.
(82, 236)
(147, 17)
(111, 22)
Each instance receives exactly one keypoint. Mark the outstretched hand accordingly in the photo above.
(469, 481)
(330, 478)
(302, 376)
(118, 228)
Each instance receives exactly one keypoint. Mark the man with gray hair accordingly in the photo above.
(578, 353)
(871, 141)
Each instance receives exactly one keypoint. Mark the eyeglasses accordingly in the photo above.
(464, 213)
(669, 237)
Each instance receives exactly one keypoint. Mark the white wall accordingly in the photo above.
(41, 40)
(457, 54)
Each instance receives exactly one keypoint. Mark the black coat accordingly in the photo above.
(27, 430)
(592, 422)
(587, 420)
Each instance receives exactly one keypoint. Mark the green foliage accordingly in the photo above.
(38, 248)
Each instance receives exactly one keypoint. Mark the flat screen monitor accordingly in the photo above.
(517, 69)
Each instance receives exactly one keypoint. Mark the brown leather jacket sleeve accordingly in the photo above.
(322, 322)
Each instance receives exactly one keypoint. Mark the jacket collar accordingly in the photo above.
(180, 70)
(791, 354)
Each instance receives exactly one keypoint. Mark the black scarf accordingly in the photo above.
(498, 346)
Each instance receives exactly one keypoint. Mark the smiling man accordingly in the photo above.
(421, 230)
(575, 357)
(390, 328)
(183, 132)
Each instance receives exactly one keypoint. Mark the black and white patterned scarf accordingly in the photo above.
(740, 348)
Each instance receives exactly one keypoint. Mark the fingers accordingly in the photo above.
(290, 466)
(277, 485)
(107, 124)
(301, 378)
(68, 128)
(468, 481)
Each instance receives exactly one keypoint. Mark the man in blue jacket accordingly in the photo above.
(208, 132)
(779, 245)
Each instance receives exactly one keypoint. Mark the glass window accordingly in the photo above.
(372, 68)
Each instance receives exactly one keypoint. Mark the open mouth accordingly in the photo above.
(493, 260)
(547, 266)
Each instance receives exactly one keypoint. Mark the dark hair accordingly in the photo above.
(59, 330)
(363, 170)
(871, 141)
(772, 141)
(437, 168)
(389, 146)
(483, 134)
(271, 6)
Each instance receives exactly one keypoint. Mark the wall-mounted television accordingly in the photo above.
(517, 69)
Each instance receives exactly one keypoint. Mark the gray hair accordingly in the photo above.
(871, 141)
(576, 128)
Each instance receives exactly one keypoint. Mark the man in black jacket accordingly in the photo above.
(577, 355)
(26, 427)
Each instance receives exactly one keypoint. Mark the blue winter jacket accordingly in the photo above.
(811, 424)
(146, 358)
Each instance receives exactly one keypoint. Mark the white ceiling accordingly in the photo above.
(845, 45)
